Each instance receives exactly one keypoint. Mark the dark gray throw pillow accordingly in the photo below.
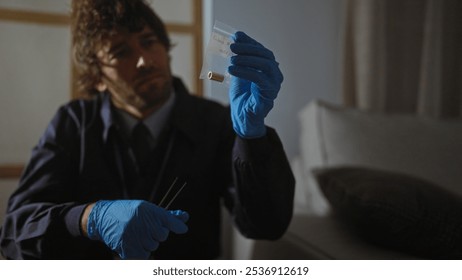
(396, 210)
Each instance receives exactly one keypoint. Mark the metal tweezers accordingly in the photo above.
(162, 202)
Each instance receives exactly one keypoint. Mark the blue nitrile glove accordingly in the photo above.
(255, 83)
(133, 228)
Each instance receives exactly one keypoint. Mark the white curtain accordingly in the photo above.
(404, 56)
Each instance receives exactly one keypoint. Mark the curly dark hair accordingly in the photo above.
(92, 21)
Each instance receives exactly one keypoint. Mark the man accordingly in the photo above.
(89, 193)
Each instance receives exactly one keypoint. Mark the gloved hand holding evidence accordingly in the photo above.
(133, 228)
(255, 83)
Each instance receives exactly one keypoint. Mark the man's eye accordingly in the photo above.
(119, 53)
(150, 42)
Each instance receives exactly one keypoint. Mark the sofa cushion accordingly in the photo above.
(424, 147)
(396, 210)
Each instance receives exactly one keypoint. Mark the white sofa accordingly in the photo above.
(332, 136)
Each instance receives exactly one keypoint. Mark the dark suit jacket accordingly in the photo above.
(82, 158)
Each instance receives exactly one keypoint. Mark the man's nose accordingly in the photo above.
(141, 62)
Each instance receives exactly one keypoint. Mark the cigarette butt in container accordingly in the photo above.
(214, 76)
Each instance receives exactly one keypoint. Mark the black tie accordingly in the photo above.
(141, 144)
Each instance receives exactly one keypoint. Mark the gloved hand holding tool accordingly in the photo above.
(133, 228)
(255, 83)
